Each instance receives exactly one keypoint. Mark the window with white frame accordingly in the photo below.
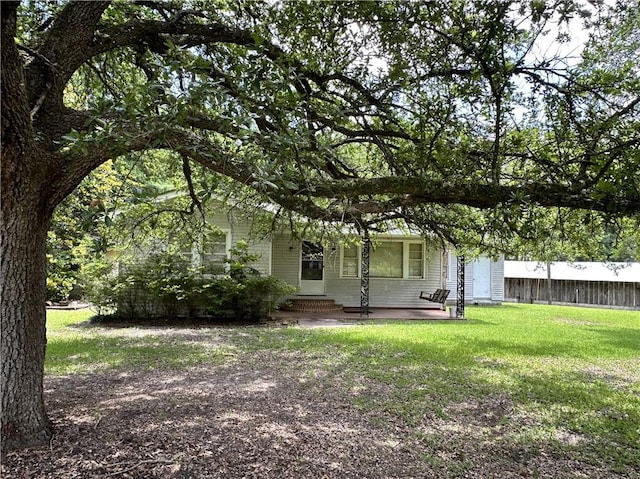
(208, 252)
(214, 249)
(415, 261)
(387, 259)
(350, 262)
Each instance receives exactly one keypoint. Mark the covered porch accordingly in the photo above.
(398, 275)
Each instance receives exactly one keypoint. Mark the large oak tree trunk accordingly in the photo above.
(24, 223)
(25, 214)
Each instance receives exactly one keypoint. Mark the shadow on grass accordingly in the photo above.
(564, 409)
(620, 338)
(89, 353)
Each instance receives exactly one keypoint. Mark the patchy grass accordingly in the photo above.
(524, 386)
(75, 347)
(561, 380)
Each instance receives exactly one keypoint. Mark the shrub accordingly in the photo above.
(164, 285)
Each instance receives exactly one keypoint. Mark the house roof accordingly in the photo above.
(580, 271)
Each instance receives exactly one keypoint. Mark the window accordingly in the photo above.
(416, 260)
(181, 252)
(312, 261)
(214, 249)
(388, 259)
(186, 256)
(210, 253)
(350, 262)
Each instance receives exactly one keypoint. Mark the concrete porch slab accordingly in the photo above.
(342, 318)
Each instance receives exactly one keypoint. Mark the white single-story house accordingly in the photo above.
(401, 266)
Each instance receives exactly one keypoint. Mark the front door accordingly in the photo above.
(311, 269)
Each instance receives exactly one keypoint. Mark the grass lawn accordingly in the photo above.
(528, 385)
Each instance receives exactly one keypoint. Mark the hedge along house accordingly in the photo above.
(389, 271)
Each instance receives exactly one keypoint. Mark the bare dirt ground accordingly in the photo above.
(261, 415)
(227, 422)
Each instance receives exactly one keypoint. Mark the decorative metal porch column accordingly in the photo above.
(460, 292)
(364, 275)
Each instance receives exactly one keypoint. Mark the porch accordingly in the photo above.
(352, 316)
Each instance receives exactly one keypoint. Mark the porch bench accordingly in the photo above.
(439, 296)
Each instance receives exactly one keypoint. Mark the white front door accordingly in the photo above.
(312, 269)
(482, 278)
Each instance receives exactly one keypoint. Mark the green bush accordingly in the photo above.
(165, 285)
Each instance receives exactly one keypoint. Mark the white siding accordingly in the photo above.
(286, 259)
(384, 292)
(451, 273)
(237, 229)
(468, 282)
(497, 280)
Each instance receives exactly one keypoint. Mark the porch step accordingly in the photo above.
(313, 305)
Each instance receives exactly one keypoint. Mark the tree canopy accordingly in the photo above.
(361, 111)
(463, 118)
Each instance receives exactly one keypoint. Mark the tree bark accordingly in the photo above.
(23, 232)
(25, 215)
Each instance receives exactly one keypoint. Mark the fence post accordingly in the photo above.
(548, 282)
